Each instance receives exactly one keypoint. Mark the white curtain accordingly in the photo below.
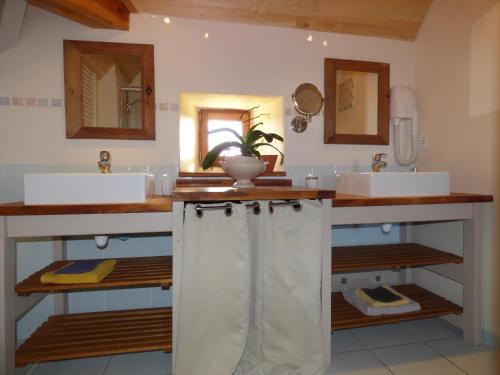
(250, 293)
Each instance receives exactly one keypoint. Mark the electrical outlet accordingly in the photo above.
(423, 143)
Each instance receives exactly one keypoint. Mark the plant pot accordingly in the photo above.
(243, 169)
(271, 160)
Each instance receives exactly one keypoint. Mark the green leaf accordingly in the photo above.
(227, 130)
(270, 145)
(214, 153)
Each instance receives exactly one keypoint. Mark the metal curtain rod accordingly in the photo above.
(255, 206)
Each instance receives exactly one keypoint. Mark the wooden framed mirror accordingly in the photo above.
(356, 102)
(109, 90)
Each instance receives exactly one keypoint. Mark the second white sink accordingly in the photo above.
(393, 184)
(85, 188)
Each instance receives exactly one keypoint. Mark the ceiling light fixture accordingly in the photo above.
(325, 43)
(206, 36)
(166, 20)
(310, 38)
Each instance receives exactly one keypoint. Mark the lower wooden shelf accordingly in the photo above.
(73, 336)
(128, 272)
(388, 256)
(344, 315)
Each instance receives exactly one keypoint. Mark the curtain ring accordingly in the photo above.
(256, 208)
(199, 210)
(229, 209)
(297, 206)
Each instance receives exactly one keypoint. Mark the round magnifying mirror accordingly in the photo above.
(299, 124)
(307, 100)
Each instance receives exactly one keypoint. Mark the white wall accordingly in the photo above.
(458, 89)
(238, 59)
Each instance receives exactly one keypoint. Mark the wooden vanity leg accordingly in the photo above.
(7, 308)
(326, 279)
(177, 246)
(472, 278)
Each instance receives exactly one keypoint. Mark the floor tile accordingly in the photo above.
(86, 366)
(431, 329)
(344, 341)
(356, 363)
(150, 363)
(475, 360)
(383, 335)
(415, 359)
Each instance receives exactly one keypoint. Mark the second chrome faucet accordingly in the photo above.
(378, 163)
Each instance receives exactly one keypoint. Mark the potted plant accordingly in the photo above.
(245, 167)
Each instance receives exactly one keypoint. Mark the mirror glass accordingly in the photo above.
(356, 102)
(307, 99)
(111, 89)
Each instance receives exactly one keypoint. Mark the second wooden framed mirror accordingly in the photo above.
(109, 90)
(356, 102)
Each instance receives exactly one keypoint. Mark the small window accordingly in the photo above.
(211, 119)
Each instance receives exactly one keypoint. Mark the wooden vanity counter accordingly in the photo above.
(345, 200)
(219, 193)
(153, 204)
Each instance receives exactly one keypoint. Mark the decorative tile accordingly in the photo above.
(415, 359)
(30, 102)
(173, 107)
(475, 360)
(383, 335)
(56, 102)
(43, 102)
(163, 106)
(4, 100)
(17, 101)
(356, 363)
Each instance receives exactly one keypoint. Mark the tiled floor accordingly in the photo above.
(424, 347)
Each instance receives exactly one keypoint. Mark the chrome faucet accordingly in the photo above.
(105, 162)
(378, 163)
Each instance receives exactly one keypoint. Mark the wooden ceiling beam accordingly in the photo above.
(382, 18)
(99, 14)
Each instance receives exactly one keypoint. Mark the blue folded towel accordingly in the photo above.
(78, 266)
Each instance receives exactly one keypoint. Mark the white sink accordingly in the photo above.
(393, 184)
(85, 188)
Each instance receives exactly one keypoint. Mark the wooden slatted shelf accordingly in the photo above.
(344, 315)
(391, 256)
(84, 335)
(128, 272)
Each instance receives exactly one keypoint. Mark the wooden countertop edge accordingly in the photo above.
(164, 203)
(344, 200)
(155, 204)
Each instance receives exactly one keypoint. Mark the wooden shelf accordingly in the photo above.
(96, 334)
(128, 272)
(344, 315)
(395, 256)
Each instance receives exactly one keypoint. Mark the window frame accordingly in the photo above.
(224, 114)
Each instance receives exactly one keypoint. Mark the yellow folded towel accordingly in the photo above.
(101, 270)
(374, 303)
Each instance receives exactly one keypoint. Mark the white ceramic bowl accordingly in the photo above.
(243, 169)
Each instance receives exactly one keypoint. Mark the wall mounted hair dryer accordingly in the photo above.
(404, 117)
